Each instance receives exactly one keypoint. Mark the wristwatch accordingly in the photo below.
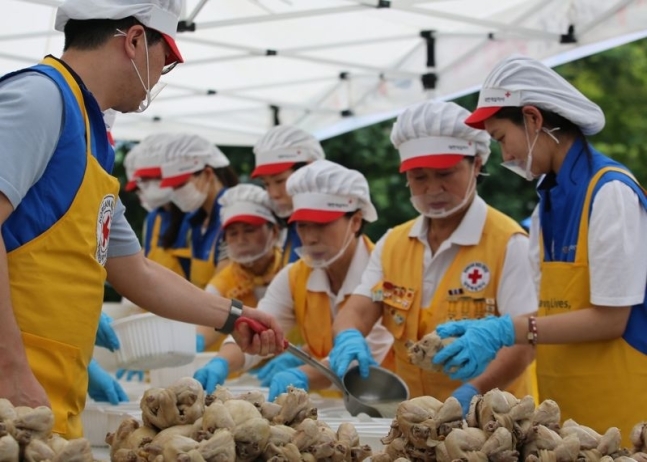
(235, 311)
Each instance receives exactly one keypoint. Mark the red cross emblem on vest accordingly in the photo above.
(475, 277)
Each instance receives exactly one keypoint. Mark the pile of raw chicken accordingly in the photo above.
(500, 428)
(181, 424)
(26, 435)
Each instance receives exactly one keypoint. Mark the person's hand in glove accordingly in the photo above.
(477, 344)
(214, 373)
(278, 364)
(103, 387)
(281, 381)
(130, 375)
(350, 345)
(464, 395)
(106, 336)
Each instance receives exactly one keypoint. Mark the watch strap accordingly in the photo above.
(235, 311)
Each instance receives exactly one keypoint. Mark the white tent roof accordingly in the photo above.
(330, 66)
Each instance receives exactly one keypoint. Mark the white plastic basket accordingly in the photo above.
(101, 418)
(95, 424)
(152, 342)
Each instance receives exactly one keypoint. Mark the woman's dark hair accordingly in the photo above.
(482, 173)
(298, 165)
(551, 120)
(89, 34)
(360, 231)
(171, 233)
(226, 175)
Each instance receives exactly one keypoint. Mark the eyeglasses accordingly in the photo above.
(169, 68)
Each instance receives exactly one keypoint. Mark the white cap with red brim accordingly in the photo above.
(160, 15)
(519, 81)
(245, 203)
(324, 191)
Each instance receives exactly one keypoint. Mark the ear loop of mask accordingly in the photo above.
(151, 93)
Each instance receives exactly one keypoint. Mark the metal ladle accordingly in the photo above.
(378, 395)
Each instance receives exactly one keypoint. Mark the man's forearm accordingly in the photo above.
(12, 350)
(509, 363)
(161, 291)
(359, 313)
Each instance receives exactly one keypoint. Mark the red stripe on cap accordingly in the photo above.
(272, 169)
(174, 56)
(480, 115)
(148, 172)
(175, 181)
(431, 161)
(131, 186)
(315, 216)
(253, 220)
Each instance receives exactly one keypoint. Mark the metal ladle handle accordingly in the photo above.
(259, 327)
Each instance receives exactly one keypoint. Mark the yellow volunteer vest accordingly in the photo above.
(234, 281)
(594, 382)
(57, 287)
(168, 258)
(467, 291)
(312, 309)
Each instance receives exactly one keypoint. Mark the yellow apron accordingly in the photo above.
(57, 287)
(203, 270)
(595, 382)
(467, 291)
(313, 316)
(168, 258)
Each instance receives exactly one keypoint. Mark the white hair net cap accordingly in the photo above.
(324, 191)
(521, 81)
(432, 134)
(145, 159)
(185, 154)
(160, 15)
(282, 147)
(245, 203)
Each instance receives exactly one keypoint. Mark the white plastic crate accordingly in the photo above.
(152, 342)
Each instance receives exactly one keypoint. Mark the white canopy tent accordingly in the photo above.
(331, 66)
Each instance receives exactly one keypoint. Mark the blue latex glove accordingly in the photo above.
(281, 363)
(350, 345)
(282, 380)
(130, 375)
(199, 343)
(214, 373)
(478, 343)
(464, 395)
(106, 336)
(103, 387)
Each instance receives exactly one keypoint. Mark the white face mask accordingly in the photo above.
(523, 168)
(153, 194)
(188, 198)
(314, 255)
(247, 259)
(151, 93)
(423, 202)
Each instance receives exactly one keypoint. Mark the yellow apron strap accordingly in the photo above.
(74, 86)
(582, 252)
